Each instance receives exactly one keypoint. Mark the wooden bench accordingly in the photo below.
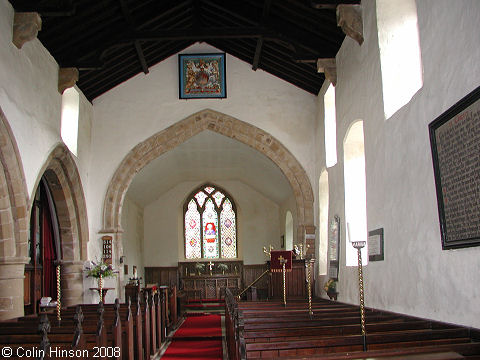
(271, 330)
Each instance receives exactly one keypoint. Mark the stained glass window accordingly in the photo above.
(193, 244)
(210, 225)
(218, 196)
(228, 229)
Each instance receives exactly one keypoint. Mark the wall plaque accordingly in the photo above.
(455, 143)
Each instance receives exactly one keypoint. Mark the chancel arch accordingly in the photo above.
(226, 125)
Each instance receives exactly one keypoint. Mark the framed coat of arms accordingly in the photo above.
(202, 76)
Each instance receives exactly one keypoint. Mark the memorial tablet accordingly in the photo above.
(455, 142)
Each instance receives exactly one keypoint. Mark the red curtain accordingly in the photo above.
(49, 271)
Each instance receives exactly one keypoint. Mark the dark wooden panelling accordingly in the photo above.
(162, 276)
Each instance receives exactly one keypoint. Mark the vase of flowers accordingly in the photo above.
(223, 267)
(200, 267)
(330, 288)
(100, 271)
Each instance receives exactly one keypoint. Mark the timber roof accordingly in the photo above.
(110, 41)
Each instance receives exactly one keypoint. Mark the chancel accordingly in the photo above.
(240, 179)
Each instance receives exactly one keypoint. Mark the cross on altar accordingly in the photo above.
(282, 260)
(210, 266)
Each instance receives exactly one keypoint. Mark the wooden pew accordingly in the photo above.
(270, 330)
(27, 339)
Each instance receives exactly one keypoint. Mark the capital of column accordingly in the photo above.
(329, 68)
(67, 77)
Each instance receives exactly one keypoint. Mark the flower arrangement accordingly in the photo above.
(101, 269)
(223, 267)
(200, 267)
(330, 286)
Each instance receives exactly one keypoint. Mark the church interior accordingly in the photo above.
(288, 178)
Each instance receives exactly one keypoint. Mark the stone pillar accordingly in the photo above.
(71, 276)
(12, 274)
(25, 27)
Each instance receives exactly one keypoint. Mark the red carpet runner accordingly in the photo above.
(199, 338)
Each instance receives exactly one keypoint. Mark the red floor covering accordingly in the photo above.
(200, 326)
(199, 338)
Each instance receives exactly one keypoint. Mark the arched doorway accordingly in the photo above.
(61, 179)
(44, 250)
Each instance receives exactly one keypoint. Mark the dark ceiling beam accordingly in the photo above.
(258, 50)
(330, 4)
(284, 32)
(26, 6)
(114, 75)
(302, 76)
(231, 13)
(138, 47)
(167, 13)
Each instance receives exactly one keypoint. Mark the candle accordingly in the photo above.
(348, 232)
(134, 272)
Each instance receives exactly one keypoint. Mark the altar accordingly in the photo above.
(210, 280)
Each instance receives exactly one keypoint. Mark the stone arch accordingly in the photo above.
(64, 182)
(14, 224)
(226, 125)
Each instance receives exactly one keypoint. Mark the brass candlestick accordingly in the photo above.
(59, 293)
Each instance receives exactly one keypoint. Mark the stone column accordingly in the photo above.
(12, 274)
(71, 282)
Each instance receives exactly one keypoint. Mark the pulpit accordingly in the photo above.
(296, 283)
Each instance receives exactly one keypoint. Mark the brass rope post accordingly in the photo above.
(359, 245)
(308, 265)
(100, 288)
(59, 293)
(284, 286)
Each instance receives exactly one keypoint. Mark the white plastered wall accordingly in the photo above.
(257, 221)
(31, 102)
(416, 277)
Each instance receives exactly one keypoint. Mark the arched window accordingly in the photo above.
(323, 197)
(400, 54)
(69, 124)
(210, 224)
(289, 231)
(355, 193)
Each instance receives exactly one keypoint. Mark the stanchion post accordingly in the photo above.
(359, 245)
(59, 294)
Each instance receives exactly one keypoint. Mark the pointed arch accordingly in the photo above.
(65, 184)
(14, 224)
(226, 125)
(63, 178)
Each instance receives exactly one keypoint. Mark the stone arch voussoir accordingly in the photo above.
(63, 178)
(226, 125)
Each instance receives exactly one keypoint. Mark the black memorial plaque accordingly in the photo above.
(455, 142)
